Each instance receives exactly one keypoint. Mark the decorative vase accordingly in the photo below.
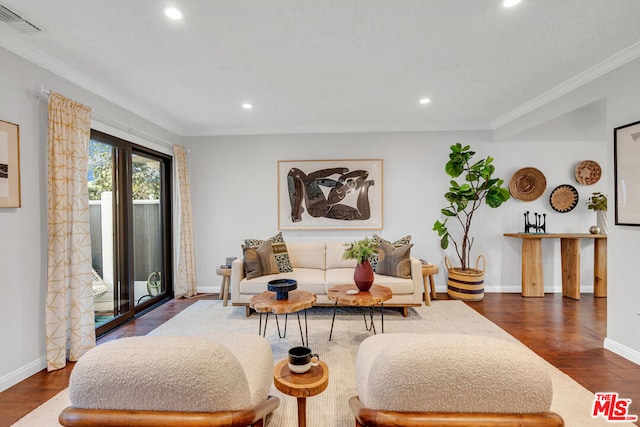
(601, 220)
(363, 276)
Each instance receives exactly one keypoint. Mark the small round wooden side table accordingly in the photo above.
(428, 270)
(301, 386)
(377, 294)
(267, 302)
(225, 285)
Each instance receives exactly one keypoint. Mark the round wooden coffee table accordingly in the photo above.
(301, 386)
(267, 302)
(378, 294)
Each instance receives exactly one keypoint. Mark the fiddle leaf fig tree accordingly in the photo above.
(465, 198)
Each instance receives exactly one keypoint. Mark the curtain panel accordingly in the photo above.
(69, 312)
(185, 285)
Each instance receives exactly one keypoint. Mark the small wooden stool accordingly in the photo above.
(225, 285)
(428, 270)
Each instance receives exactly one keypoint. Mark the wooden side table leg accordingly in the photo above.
(532, 277)
(226, 282)
(570, 255)
(432, 283)
(600, 268)
(427, 299)
(302, 411)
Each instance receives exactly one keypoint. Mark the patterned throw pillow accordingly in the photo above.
(259, 261)
(394, 260)
(377, 240)
(279, 251)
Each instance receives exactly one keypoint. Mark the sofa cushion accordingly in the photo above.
(313, 280)
(377, 240)
(279, 251)
(259, 261)
(394, 261)
(307, 255)
(334, 256)
(474, 374)
(117, 375)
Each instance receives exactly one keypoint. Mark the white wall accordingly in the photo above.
(234, 185)
(621, 91)
(23, 235)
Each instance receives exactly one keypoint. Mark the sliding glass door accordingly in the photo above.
(129, 193)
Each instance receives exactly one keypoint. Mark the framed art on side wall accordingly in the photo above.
(330, 194)
(626, 147)
(9, 165)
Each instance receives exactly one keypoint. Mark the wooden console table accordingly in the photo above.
(532, 277)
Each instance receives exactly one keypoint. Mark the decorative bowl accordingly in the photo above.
(282, 287)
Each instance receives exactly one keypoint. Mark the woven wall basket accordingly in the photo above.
(466, 284)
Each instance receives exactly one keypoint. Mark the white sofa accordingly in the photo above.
(317, 266)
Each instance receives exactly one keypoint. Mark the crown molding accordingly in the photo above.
(49, 63)
(621, 58)
(282, 130)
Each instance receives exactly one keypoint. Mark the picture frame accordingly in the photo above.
(9, 165)
(626, 164)
(330, 194)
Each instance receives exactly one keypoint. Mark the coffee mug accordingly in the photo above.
(301, 359)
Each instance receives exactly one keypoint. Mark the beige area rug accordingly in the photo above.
(330, 409)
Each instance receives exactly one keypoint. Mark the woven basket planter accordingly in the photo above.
(466, 284)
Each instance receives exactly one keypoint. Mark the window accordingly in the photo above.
(130, 223)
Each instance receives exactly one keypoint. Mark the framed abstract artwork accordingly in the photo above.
(626, 149)
(9, 165)
(330, 194)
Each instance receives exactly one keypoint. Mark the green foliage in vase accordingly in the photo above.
(465, 198)
(597, 202)
(360, 250)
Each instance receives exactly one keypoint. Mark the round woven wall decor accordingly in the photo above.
(527, 184)
(563, 198)
(588, 172)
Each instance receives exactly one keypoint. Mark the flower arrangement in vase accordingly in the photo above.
(361, 251)
(598, 202)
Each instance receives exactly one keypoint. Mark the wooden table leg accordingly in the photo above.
(532, 277)
(226, 281)
(570, 254)
(432, 283)
(427, 299)
(600, 268)
(302, 412)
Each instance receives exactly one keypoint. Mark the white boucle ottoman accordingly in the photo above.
(169, 373)
(451, 373)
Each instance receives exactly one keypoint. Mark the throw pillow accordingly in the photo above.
(259, 261)
(279, 251)
(377, 239)
(394, 261)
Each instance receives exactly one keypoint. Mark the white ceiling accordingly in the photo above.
(327, 65)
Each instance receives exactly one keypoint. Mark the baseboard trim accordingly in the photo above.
(622, 350)
(210, 289)
(13, 378)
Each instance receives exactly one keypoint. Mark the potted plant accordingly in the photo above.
(598, 202)
(361, 251)
(464, 199)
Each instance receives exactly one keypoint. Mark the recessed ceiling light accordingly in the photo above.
(247, 106)
(173, 13)
(424, 101)
(510, 3)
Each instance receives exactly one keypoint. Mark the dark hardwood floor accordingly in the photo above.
(565, 332)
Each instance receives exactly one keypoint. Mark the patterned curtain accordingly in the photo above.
(186, 275)
(69, 312)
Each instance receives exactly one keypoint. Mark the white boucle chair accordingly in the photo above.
(450, 380)
(217, 380)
